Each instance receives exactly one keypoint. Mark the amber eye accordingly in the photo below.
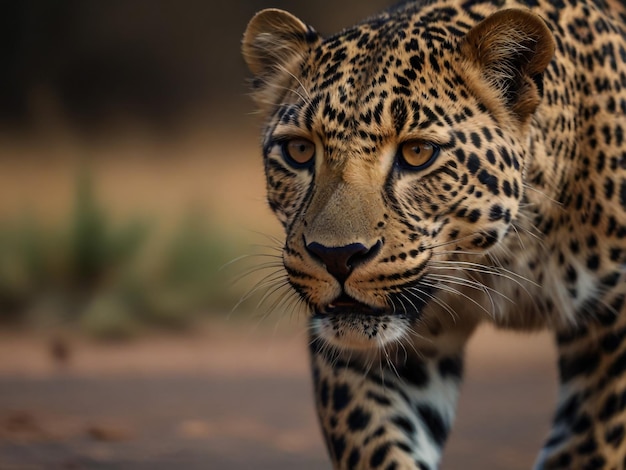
(298, 152)
(417, 154)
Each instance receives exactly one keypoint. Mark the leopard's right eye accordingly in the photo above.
(417, 155)
(299, 153)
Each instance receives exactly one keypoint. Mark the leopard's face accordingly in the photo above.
(391, 150)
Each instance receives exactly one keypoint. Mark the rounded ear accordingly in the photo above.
(511, 49)
(274, 38)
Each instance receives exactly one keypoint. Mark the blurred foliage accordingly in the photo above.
(109, 278)
(97, 250)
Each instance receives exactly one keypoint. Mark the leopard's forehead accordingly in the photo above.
(382, 80)
(384, 52)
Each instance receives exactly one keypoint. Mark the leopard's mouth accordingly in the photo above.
(346, 305)
(346, 323)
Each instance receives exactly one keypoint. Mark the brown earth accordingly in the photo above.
(233, 398)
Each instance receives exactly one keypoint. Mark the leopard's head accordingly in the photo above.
(390, 149)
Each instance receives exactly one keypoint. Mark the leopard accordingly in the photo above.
(439, 166)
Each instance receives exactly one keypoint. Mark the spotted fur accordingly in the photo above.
(443, 164)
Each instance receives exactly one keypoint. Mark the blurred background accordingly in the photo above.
(130, 178)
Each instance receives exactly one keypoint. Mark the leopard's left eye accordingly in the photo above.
(298, 153)
(417, 154)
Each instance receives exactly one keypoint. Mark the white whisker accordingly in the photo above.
(454, 291)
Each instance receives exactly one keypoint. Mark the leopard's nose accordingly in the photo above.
(341, 260)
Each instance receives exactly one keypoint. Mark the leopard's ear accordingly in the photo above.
(274, 45)
(512, 48)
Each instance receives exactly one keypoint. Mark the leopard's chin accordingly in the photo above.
(348, 324)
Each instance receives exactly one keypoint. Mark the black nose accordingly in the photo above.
(341, 260)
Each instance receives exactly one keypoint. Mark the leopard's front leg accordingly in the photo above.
(388, 410)
(589, 429)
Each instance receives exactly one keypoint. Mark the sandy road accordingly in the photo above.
(233, 399)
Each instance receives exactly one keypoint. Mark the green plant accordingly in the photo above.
(97, 273)
(98, 251)
(186, 282)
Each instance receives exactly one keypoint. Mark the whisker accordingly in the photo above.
(389, 361)
(415, 309)
(267, 281)
(248, 256)
(449, 242)
(454, 291)
(433, 298)
(484, 269)
(404, 310)
(547, 198)
(519, 238)
(478, 285)
(270, 292)
(266, 314)
(256, 269)
(474, 284)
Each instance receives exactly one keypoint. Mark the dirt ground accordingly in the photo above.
(234, 397)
